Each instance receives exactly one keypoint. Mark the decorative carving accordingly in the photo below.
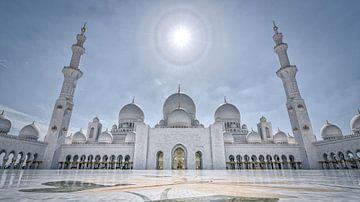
(306, 127)
(300, 106)
(54, 128)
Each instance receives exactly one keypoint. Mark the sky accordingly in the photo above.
(231, 55)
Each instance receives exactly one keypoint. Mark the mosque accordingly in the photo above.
(179, 140)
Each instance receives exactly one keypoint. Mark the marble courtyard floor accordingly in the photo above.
(134, 185)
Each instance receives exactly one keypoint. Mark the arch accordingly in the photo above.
(159, 160)
(198, 161)
(277, 161)
(267, 132)
(342, 160)
(284, 162)
(119, 159)
(179, 160)
(9, 163)
(90, 162)
(126, 162)
(292, 162)
(91, 134)
(351, 160)
(358, 153)
(239, 161)
(112, 161)
(254, 162)
(2, 157)
(262, 162)
(97, 161)
(270, 164)
(247, 159)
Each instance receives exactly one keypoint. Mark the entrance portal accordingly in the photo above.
(179, 162)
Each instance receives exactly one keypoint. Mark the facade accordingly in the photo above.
(179, 140)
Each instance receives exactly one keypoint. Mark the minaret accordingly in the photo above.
(61, 115)
(299, 118)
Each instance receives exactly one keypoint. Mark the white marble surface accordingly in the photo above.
(286, 185)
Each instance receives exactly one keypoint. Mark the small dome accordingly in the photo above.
(78, 138)
(131, 112)
(253, 137)
(179, 118)
(114, 127)
(176, 99)
(105, 138)
(227, 111)
(96, 120)
(330, 131)
(263, 119)
(355, 123)
(5, 124)
(30, 131)
(280, 137)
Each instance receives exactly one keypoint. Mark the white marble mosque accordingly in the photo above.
(179, 140)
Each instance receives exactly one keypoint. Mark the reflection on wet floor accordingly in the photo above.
(219, 198)
(64, 186)
(173, 186)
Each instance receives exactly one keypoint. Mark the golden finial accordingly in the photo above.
(83, 29)
(275, 28)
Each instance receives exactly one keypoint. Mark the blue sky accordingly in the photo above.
(122, 61)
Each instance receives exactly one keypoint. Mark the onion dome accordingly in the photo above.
(280, 137)
(179, 118)
(253, 137)
(30, 132)
(263, 119)
(105, 138)
(227, 111)
(355, 123)
(5, 124)
(79, 138)
(96, 120)
(176, 99)
(131, 112)
(330, 131)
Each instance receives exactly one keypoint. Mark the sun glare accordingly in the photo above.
(180, 37)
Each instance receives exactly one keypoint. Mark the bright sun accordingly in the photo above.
(180, 37)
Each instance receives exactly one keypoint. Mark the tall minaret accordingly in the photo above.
(299, 118)
(63, 108)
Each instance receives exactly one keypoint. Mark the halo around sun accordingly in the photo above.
(181, 37)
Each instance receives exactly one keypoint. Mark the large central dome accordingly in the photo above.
(177, 100)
